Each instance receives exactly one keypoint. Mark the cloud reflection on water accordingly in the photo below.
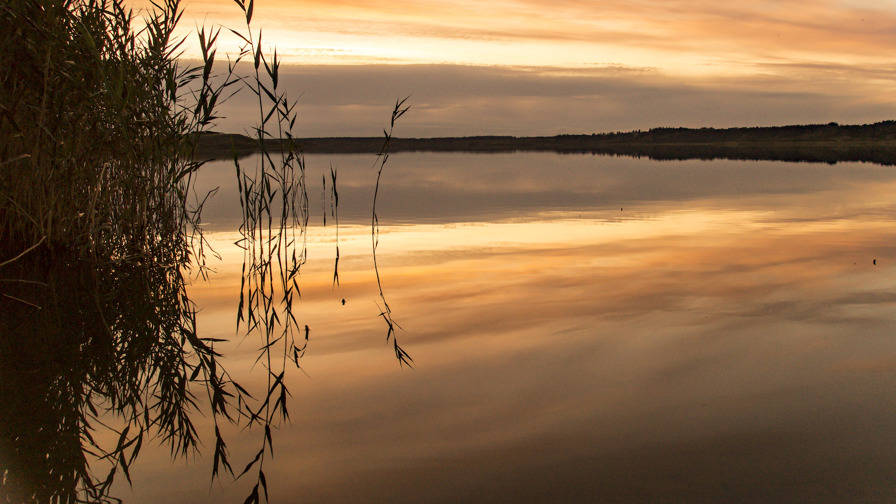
(463, 187)
(723, 337)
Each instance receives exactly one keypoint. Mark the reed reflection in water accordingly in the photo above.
(584, 329)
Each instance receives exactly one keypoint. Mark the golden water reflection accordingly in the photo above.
(731, 349)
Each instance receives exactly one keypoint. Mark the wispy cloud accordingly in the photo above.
(686, 35)
(450, 100)
(566, 66)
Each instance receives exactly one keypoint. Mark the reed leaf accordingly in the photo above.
(100, 238)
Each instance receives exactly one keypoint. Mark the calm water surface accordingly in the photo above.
(585, 329)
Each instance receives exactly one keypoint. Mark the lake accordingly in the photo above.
(583, 328)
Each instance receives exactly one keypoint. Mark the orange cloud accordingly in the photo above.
(692, 36)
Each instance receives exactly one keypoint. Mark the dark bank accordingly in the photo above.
(821, 143)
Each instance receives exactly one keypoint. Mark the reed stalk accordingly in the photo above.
(99, 239)
(98, 242)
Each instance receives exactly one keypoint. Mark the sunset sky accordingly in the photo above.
(528, 67)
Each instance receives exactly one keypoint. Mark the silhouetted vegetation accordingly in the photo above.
(97, 239)
(100, 236)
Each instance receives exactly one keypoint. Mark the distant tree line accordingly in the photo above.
(831, 132)
(827, 143)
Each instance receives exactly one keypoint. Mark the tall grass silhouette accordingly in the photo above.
(100, 237)
(386, 312)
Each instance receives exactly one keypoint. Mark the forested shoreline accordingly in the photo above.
(829, 143)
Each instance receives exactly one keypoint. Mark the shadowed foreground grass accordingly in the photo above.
(100, 234)
(98, 240)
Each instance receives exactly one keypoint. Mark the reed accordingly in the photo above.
(99, 238)
(97, 242)
(392, 327)
(275, 206)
